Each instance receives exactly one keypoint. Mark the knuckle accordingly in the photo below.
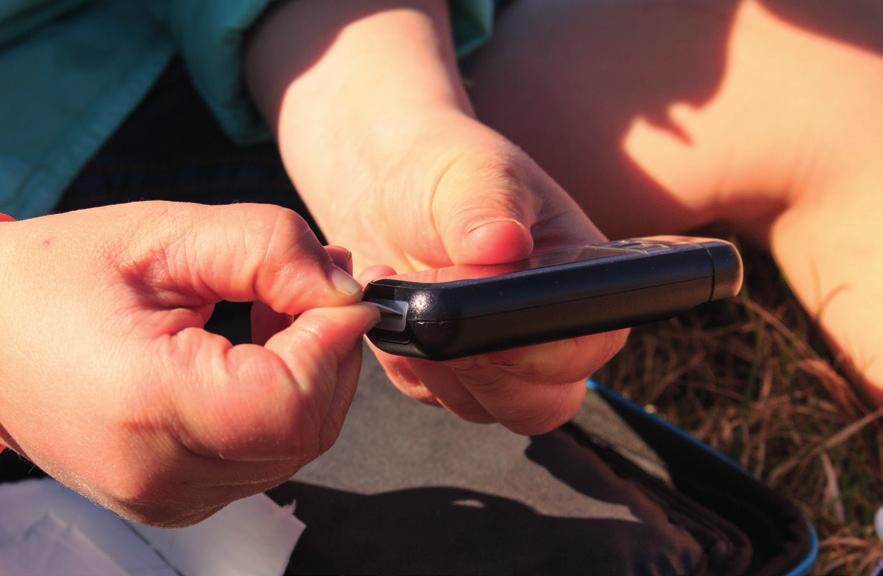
(501, 170)
(287, 229)
(289, 246)
(506, 167)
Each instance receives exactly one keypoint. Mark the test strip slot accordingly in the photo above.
(393, 314)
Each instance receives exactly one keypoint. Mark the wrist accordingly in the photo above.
(375, 50)
(352, 87)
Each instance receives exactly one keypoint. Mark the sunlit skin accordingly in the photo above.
(110, 384)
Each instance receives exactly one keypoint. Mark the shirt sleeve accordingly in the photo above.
(210, 35)
(472, 22)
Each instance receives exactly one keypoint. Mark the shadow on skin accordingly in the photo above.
(586, 71)
(571, 80)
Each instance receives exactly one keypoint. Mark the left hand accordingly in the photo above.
(379, 138)
(463, 194)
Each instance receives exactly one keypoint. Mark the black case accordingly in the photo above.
(608, 286)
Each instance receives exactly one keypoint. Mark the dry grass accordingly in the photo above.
(751, 378)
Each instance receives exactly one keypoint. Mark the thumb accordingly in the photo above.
(284, 401)
(484, 209)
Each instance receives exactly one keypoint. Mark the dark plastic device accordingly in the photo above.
(465, 310)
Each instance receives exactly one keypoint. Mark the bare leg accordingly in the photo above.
(662, 116)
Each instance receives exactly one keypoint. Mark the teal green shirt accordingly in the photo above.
(73, 70)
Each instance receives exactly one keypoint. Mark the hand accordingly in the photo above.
(109, 382)
(463, 194)
(379, 138)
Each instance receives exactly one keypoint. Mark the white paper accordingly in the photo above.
(51, 546)
(23, 504)
(252, 536)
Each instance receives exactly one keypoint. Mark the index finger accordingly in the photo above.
(239, 253)
(559, 361)
(534, 389)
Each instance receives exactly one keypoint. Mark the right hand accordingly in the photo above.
(109, 382)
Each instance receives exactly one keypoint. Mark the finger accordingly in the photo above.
(322, 350)
(265, 322)
(341, 257)
(432, 383)
(373, 273)
(255, 403)
(535, 389)
(399, 371)
(560, 361)
(242, 252)
(347, 380)
(163, 514)
(526, 407)
(171, 489)
(484, 208)
(444, 384)
(185, 509)
(185, 506)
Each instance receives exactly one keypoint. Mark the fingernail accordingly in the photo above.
(346, 253)
(340, 256)
(496, 241)
(485, 225)
(344, 282)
